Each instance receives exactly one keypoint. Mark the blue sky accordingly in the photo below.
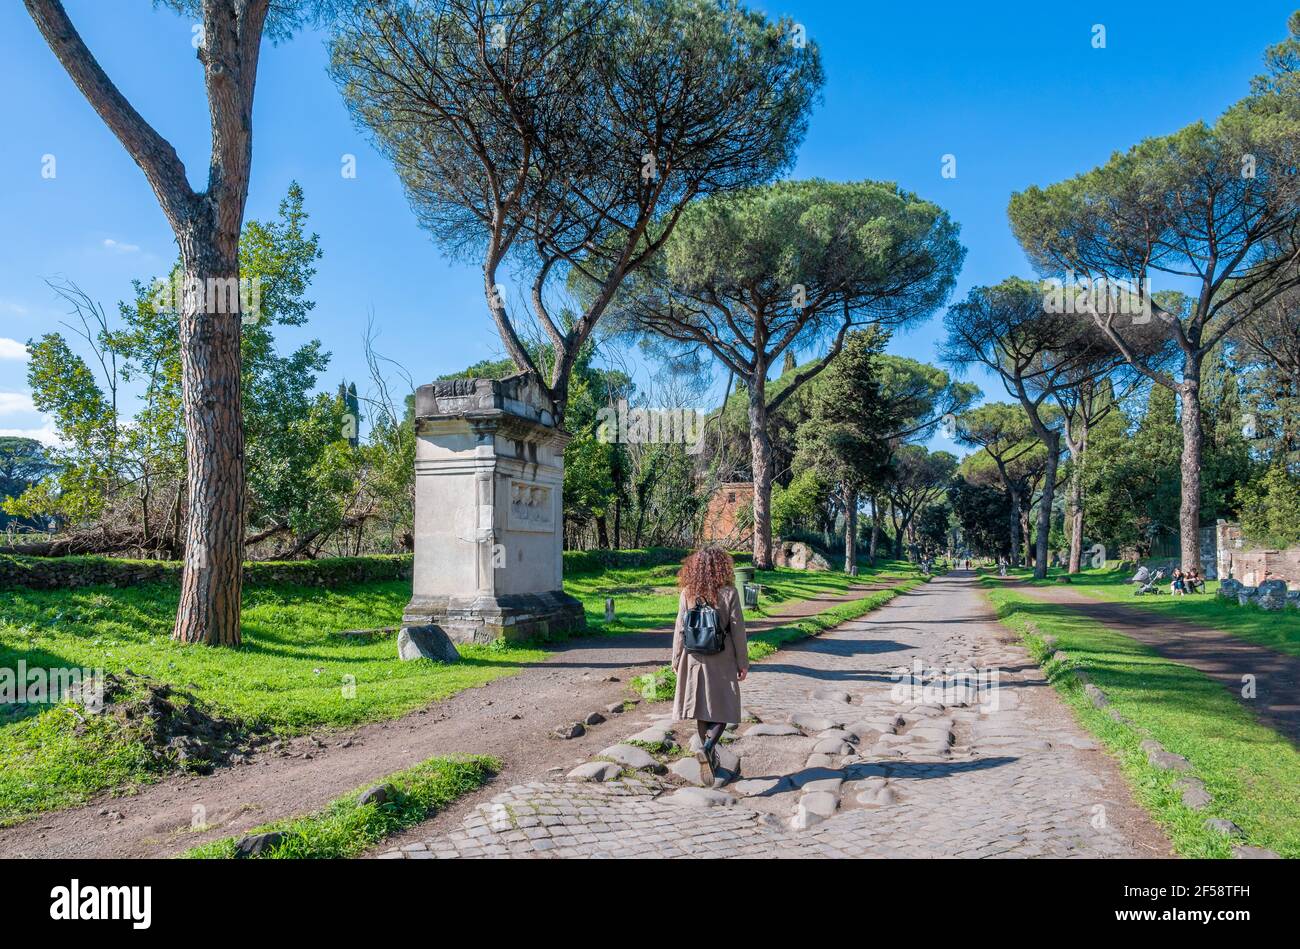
(1015, 90)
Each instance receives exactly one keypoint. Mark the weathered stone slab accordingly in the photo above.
(652, 736)
(426, 642)
(812, 723)
(1224, 826)
(255, 845)
(832, 746)
(379, 794)
(827, 785)
(813, 809)
(884, 726)
(1240, 852)
(842, 734)
(1193, 792)
(632, 756)
(596, 772)
(689, 770)
(1165, 760)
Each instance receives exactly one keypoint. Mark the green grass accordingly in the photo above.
(290, 675)
(51, 760)
(646, 598)
(1273, 630)
(345, 828)
(766, 643)
(1252, 772)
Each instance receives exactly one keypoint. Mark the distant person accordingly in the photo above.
(1178, 585)
(1195, 582)
(710, 651)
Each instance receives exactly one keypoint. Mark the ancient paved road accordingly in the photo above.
(842, 757)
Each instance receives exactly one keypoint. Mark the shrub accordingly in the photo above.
(1270, 509)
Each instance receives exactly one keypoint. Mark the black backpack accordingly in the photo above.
(702, 633)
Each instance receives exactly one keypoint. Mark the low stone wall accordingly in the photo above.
(54, 573)
(1269, 595)
(1255, 565)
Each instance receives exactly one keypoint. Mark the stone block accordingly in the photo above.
(633, 756)
(426, 642)
(596, 772)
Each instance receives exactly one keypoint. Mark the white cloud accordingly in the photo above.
(19, 404)
(12, 349)
(14, 403)
(13, 309)
(45, 434)
(120, 248)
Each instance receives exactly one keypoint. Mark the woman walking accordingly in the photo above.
(710, 651)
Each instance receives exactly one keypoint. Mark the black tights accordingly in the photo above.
(710, 732)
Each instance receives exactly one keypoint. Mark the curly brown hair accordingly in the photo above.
(705, 573)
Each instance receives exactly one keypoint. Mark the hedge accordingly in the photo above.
(51, 573)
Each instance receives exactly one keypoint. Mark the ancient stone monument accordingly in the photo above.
(489, 474)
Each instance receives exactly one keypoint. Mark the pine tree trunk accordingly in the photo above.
(875, 530)
(1076, 526)
(212, 577)
(1078, 451)
(760, 447)
(1025, 533)
(1015, 527)
(1189, 511)
(207, 227)
(1041, 558)
(850, 531)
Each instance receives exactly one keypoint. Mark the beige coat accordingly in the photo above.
(707, 687)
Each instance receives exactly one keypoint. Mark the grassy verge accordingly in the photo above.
(1274, 630)
(1252, 772)
(659, 686)
(345, 828)
(292, 673)
(764, 644)
(646, 598)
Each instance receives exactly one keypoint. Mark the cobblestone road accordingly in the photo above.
(921, 730)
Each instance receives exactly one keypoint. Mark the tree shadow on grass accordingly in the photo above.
(1144, 673)
(32, 659)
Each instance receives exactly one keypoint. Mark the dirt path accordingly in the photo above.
(509, 717)
(1222, 656)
